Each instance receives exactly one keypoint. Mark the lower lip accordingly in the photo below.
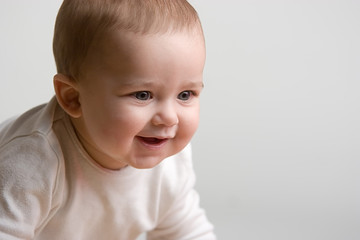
(153, 146)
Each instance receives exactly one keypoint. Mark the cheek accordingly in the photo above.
(101, 122)
(122, 121)
(189, 123)
(194, 124)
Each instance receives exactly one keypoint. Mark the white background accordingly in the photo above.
(277, 152)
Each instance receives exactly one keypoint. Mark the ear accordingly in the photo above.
(67, 95)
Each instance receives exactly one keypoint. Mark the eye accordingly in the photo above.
(143, 95)
(185, 95)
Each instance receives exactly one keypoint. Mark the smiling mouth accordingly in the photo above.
(153, 142)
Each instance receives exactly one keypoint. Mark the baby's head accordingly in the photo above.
(129, 76)
(81, 24)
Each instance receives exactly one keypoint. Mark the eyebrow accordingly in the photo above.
(195, 84)
(133, 82)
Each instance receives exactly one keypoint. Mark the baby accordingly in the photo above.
(109, 156)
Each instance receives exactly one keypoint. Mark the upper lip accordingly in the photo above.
(157, 137)
(166, 134)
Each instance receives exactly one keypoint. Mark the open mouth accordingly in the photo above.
(151, 141)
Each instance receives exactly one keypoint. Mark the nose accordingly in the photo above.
(166, 115)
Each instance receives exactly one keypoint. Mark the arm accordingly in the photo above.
(26, 188)
(184, 219)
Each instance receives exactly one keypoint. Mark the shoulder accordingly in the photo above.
(29, 150)
(30, 183)
(29, 139)
(27, 160)
(38, 119)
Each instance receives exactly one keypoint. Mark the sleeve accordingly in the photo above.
(26, 188)
(184, 219)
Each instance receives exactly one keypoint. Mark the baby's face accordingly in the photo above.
(139, 97)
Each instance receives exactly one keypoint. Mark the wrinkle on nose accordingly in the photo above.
(166, 116)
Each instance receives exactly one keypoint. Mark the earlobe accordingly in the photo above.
(67, 95)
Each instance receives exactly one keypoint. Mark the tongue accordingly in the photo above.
(152, 140)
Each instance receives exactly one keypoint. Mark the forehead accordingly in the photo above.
(127, 40)
(126, 50)
(125, 59)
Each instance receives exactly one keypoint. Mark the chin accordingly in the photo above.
(146, 163)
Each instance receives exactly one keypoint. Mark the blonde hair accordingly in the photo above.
(81, 23)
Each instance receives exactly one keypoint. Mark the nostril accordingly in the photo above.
(165, 119)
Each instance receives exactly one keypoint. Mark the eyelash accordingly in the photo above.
(189, 93)
(146, 95)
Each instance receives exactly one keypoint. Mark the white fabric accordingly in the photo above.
(51, 189)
